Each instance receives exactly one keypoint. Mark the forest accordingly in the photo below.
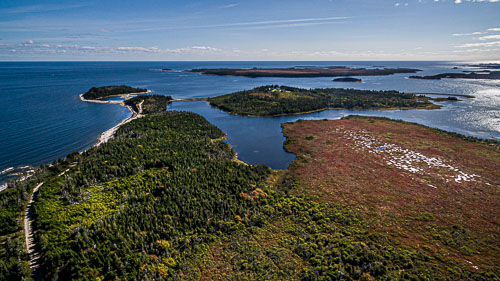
(150, 103)
(96, 93)
(166, 200)
(282, 100)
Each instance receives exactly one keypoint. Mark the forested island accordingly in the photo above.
(348, 79)
(282, 100)
(100, 93)
(471, 75)
(165, 199)
(329, 71)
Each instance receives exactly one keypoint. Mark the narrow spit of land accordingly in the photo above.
(132, 98)
(106, 135)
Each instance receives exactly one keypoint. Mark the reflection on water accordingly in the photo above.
(260, 139)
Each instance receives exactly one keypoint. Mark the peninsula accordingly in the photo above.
(330, 71)
(282, 100)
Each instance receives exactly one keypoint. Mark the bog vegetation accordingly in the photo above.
(165, 200)
(276, 100)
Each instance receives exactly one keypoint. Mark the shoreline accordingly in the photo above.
(125, 96)
(108, 134)
(432, 107)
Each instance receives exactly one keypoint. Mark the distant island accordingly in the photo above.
(282, 100)
(330, 71)
(347, 79)
(101, 93)
(471, 75)
(485, 65)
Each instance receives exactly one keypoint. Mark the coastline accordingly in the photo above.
(108, 134)
(104, 136)
(431, 107)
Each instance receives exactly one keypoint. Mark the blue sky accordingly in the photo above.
(250, 30)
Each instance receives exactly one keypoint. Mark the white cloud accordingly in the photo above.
(397, 4)
(467, 34)
(489, 37)
(255, 24)
(475, 45)
(494, 29)
(40, 8)
(205, 48)
(32, 47)
(231, 5)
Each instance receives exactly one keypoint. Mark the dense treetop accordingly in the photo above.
(276, 100)
(150, 103)
(102, 92)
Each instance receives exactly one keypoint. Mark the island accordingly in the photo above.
(101, 93)
(329, 71)
(485, 65)
(472, 75)
(276, 100)
(166, 198)
(348, 79)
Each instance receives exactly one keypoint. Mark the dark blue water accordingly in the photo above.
(42, 119)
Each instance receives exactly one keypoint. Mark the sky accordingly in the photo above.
(240, 30)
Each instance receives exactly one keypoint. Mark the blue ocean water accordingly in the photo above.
(42, 119)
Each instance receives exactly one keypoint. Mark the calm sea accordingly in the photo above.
(42, 119)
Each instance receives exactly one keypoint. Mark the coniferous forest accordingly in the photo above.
(96, 93)
(283, 100)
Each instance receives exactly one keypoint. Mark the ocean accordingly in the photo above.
(42, 119)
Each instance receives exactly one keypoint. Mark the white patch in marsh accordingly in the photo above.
(406, 159)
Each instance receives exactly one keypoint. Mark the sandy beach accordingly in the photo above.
(107, 135)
